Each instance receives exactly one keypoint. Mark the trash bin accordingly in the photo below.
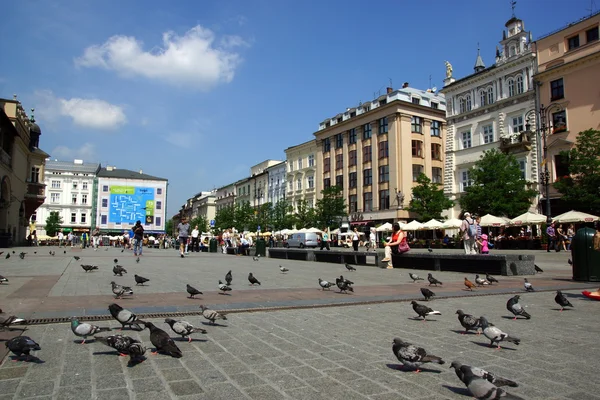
(261, 247)
(586, 260)
(212, 245)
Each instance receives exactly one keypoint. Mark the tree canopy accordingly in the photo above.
(428, 199)
(53, 223)
(331, 207)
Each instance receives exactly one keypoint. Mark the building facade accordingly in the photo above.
(124, 197)
(302, 174)
(568, 83)
(376, 151)
(225, 196)
(489, 109)
(276, 178)
(203, 205)
(22, 188)
(70, 189)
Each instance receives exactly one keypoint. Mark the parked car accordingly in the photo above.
(303, 239)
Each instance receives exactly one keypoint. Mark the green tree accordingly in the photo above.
(330, 207)
(282, 217)
(201, 221)
(428, 199)
(263, 217)
(53, 223)
(581, 188)
(244, 217)
(305, 216)
(497, 187)
(225, 218)
(169, 227)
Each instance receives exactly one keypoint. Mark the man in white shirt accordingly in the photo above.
(372, 240)
(61, 237)
(195, 244)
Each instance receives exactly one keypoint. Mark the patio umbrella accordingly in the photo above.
(335, 231)
(432, 224)
(574, 216)
(453, 223)
(387, 227)
(528, 218)
(492, 220)
(314, 230)
(411, 226)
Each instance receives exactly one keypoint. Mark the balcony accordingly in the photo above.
(36, 190)
(5, 158)
(516, 144)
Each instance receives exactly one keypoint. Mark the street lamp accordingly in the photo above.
(544, 113)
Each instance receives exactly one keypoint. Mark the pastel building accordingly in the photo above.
(302, 174)
(276, 176)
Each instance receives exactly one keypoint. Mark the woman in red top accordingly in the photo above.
(392, 247)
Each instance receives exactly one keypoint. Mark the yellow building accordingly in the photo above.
(300, 175)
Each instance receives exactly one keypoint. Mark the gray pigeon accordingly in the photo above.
(468, 322)
(121, 291)
(228, 278)
(561, 300)
(283, 269)
(7, 320)
(192, 291)
(528, 286)
(498, 381)
(119, 270)
(415, 277)
(343, 285)
(432, 280)
(88, 268)
(412, 356)
(137, 260)
(125, 345)
(490, 278)
(423, 311)
(481, 281)
(514, 307)
(481, 388)
(183, 328)
(428, 294)
(22, 345)
(140, 280)
(77, 258)
(125, 317)
(224, 288)
(212, 315)
(3, 279)
(349, 267)
(162, 341)
(495, 334)
(324, 284)
(252, 279)
(84, 330)
(22, 255)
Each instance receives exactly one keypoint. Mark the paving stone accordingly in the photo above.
(224, 391)
(35, 389)
(182, 388)
(9, 385)
(74, 393)
(113, 394)
(246, 380)
(110, 382)
(76, 379)
(12, 373)
(176, 374)
(263, 392)
(286, 381)
(147, 385)
(236, 368)
(155, 395)
(305, 372)
(209, 377)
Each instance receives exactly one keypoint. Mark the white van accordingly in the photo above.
(303, 239)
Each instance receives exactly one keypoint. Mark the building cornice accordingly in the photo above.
(557, 70)
(501, 104)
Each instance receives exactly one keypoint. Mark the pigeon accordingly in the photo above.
(255, 258)
(7, 320)
(415, 277)
(252, 279)
(432, 280)
(77, 258)
(283, 269)
(412, 356)
(212, 315)
(183, 328)
(122, 250)
(120, 291)
(52, 253)
(468, 322)
(116, 261)
(224, 288)
(192, 291)
(324, 284)
(125, 345)
(482, 388)
(125, 317)
(64, 252)
(537, 269)
(3, 279)
(569, 261)
(88, 268)
(428, 294)
(497, 381)
(22, 345)
(343, 285)
(430, 250)
(35, 252)
(423, 311)
(350, 267)
(528, 286)
(481, 281)
(162, 342)
(7, 256)
(562, 301)
(140, 280)
(514, 307)
(137, 260)
(22, 255)
(470, 285)
(495, 334)
(228, 278)
(491, 279)
(119, 270)
(84, 330)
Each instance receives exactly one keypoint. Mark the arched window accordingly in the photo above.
(482, 98)
(462, 105)
(520, 87)
(512, 50)
(468, 101)
(511, 87)
(490, 95)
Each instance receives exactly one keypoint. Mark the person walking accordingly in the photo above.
(468, 230)
(138, 238)
(373, 239)
(61, 237)
(183, 231)
(325, 240)
(398, 237)
(195, 243)
(355, 239)
(96, 237)
(551, 233)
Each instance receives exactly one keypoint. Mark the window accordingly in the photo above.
(384, 173)
(34, 175)
(159, 191)
(103, 220)
(104, 203)
(436, 175)
(339, 161)
(366, 154)
(74, 199)
(511, 87)
(352, 136)
(353, 203)
(367, 201)
(327, 164)
(339, 141)
(159, 205)
(291, 166)
(557, 90)
(520, 86)
(383, 125)
(383, 150)
(416, 125)
(417, 148)
(591, 35)
(488, 133)
(482, 98)
(561, 166)
(436, 151)
(465, 180)
(416, 100)
(462, 105)
(434, 105)
(367, 177)
(517, 124)
(352, 158)
(33, 217)
(326, 183)
(311, 160)
(366, 131)
(512, 50)
(339, 181)
(74, 184)
(299, 183)
(466, 139)
(490, 95)
(83, 218)
(523, 168)
(573, 42)
(300, 163)
(84, 199)
(384, 199)
(55, 197)
(559, 122)
(105, 188)
(416, 170)
(352, 180)
(469, 102)
(326, 145)
(55, 184)
(73, 218)
(157, 221)
(84, 185)
(436, 128)
(310, 182)
(291, 186)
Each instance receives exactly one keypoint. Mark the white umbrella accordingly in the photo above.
(335, 231)
(432, 224)
(411, 226)
(303, 230)
(528, 218)
(387, 227)
(453, 223)
(491, 220)
(314, 230)
(574, 216)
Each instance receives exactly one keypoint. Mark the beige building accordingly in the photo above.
(301, 174)
(376, 151)
(22, 188)
(202, 204)
(225, 196)
(568, 83)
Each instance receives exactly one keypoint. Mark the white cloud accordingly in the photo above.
(87, 153)
(189, 60)
(183, 140)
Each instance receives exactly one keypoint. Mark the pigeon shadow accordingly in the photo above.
(30, 359)
(400, 368)
(564, 309)
(458, 390)
(215, 324)
(507, 317)
(78, 341)
(225, 294)
(106, 353)
(133, 362)
(494, 347)
(193, 340)
(342, 292)
(462, 332)
(421, 319)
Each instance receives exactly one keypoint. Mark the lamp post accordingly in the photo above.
(544, 115)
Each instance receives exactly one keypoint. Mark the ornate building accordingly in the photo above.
(300, 181)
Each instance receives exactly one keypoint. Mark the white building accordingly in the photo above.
(301, 173)
(487, 110)
(276, 183)
(69, 191)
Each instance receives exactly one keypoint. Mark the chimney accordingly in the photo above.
(390, 90)
(404, 85)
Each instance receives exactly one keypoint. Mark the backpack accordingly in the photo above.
(472, 230)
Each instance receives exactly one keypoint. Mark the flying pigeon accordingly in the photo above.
(255, 258)
(415, 277)
(212, 315)
(162, 341)
(432, 280)
(183, 328)
(116, 261)
(495, 334)
(343, 285)
(22, 345)
(497, 381)
(77, 258)
(283, 269)
(468, 322)
(140, 280)
(514, 307)
(423, 311)
(228, 278)
(22, 255)
(491, 279)
(137, 260)
(324, 284)
(125, 317)
(125, 345)
(482, 388)
(7, 320)
(3, 279)
(252, 279)
(350, 267)
(192, 291)
(481, 281)
(224, 288)
(88, 268)
(470, 285)
(428, 294)
(120, 291)
(119, 270)
(528, 286)
(537, 269)
(562, 301)
(84, 330)
(412, 356)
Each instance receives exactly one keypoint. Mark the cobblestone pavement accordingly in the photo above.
(326, 353)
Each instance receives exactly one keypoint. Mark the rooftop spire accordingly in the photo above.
(513, 3)
(479, 65)
(32, 118)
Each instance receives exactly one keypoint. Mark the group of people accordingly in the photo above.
(559, 237)
(474, 241)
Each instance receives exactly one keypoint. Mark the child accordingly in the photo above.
(483, 244)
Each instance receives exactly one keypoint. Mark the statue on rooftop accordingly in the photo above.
(448, 70)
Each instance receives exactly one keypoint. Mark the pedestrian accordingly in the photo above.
(483, 244)
(570, 235)
(468, 230)
(35, 239)
(183, 231)
(138, 238)
(325, 240)
(561, 237)
(61, 237)
(397, 245)
(551, 233)
(355, 239)
(96, 237)
(195, 244)
(373, 239)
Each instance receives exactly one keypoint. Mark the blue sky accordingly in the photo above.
(199, 91)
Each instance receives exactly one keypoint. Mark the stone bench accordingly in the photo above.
(498, 264)
(342, 257)
(290, 254)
